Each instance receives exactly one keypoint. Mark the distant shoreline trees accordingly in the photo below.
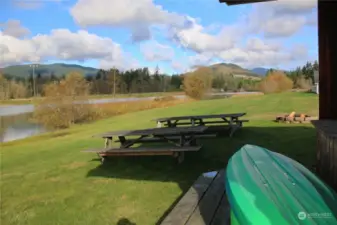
(140, 81)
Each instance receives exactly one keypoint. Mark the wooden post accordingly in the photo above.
(326, 166)
(327, 36)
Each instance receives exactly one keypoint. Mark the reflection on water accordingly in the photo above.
(18, 127)
(9, 110)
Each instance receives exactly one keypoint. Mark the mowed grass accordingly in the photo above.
(47, 180)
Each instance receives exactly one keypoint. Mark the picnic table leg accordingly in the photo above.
(236, 120)
(107, 143)
(232, 130)
(122, 140)
(194, 141)
(181, 157)
(193, 122)
(182, 140)
(103, 159)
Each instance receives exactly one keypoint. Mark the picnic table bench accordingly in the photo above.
(232, 121)
(205, 203)
(185, 142)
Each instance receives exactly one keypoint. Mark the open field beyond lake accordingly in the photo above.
(134, 95)
(47, 180)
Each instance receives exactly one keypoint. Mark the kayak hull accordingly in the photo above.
(264, 187)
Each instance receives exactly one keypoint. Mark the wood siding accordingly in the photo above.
(327, 151)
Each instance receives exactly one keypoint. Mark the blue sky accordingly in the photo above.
(175, 35)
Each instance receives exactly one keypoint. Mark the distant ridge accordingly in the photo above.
(260, 71)
(230, 68)
(58, 69)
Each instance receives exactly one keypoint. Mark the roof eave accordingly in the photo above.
(239, 2)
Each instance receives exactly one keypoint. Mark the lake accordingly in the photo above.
(18, 126)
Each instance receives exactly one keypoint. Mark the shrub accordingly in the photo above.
(303, 83)
(275, 82)
(65, 103)
(11, 89)
(164, 98)
(17, 90)
(4, 88)
(198, 83)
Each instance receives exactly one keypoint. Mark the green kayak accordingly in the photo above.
(267, 188)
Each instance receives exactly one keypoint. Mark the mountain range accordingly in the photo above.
(59, 69)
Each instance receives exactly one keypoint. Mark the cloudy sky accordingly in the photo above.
(173, 34)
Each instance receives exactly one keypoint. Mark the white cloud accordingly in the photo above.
(60, 44)
(283, 26)
(122, 62)
(238, 42)
(200, 60)
(254, 53)
(136, 15)
(267, 56)
(281, 18)
(257, 45)
(274, 19)
(14, 28)
(291, 6)
(153, 51)
(196, 38)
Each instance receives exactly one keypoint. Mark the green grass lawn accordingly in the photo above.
(47, 180)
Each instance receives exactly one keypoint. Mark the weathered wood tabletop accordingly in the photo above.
(198, 117)
(231, 121)
(154, 131)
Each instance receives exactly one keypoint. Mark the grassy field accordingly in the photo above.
(134, 95)
(47, 180)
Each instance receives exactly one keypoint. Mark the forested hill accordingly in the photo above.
(56, 69)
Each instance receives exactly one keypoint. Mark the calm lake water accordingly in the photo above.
(18, 127)
(15, 120)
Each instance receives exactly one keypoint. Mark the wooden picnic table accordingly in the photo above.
(181, 139)
(232, 121)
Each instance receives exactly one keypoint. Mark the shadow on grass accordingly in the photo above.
(125, 221)
(295, 141)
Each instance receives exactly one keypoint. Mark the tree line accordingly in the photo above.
(103, 82)
(114, 81)
(302, 76)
